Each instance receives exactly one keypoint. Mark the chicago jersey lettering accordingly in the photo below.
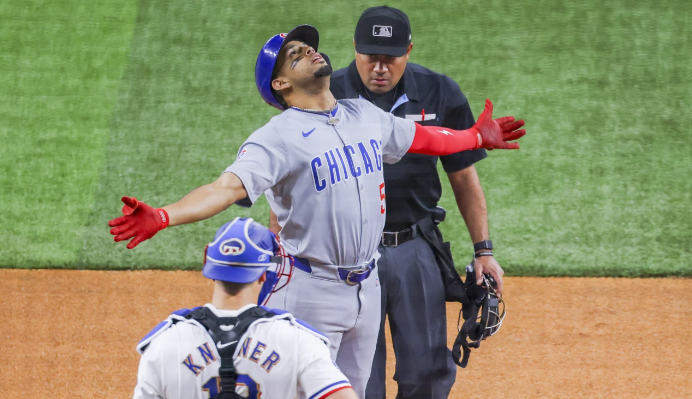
(327, 194)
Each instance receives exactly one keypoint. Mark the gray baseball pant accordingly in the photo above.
(349, 315)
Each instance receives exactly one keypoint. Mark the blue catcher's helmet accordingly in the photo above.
(266, 60)
(242, 252)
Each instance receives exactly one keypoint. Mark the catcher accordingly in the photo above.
(231, 348)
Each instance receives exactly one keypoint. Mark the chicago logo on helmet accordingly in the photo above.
(282, 34)
(233, 246)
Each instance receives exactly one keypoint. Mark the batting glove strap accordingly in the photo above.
(164, 217)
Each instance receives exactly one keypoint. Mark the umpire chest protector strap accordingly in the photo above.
(227, 341)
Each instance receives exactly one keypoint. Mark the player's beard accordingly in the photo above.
(325, 70)
(317, 83)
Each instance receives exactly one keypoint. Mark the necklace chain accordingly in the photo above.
(317, 111)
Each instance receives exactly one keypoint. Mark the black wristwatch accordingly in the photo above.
(486, 244)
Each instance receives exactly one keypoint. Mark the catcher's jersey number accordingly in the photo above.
(245, 387)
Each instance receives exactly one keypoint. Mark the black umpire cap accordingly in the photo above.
(383, 30)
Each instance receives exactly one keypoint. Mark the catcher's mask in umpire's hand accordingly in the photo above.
(483, 316)
(243, 251)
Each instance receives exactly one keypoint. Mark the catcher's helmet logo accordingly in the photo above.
(382, 31)
(263, 258)
(233, 246)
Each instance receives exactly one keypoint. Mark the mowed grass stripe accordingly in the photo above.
(60, 65)
(188, 102)
(599, 187)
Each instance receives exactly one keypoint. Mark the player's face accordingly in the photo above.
(381, 73)
(300, 63)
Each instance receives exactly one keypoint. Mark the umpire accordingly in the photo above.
(416, 268)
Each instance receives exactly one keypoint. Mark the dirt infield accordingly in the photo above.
(72, 334)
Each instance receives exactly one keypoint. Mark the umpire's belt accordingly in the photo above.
(350, 276)
(396, 238)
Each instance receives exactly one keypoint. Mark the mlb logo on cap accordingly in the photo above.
(382, 31)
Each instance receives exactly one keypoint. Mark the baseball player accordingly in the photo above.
(319, 163)
(232, 342)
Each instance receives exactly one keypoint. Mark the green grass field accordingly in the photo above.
(103, 98)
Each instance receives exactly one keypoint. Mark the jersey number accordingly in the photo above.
(212, 387)
(382, 209)
(245, 386)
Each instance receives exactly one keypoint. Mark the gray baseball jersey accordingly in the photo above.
(323, 177)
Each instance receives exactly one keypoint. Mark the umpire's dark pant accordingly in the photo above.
(413, 297)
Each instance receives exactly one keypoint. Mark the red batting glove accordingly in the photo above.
(496, 133)
(140, 221)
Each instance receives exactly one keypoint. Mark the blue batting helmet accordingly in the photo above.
(241, 252)
(266, 60)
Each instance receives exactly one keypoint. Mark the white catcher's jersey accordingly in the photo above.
(276, 358)
(325, 180)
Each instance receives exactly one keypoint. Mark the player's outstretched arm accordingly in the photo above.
(207, 201)
(141, 222)
(486, 133)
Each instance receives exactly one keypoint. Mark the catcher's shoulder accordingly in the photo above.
(167, 333)
(297, 327)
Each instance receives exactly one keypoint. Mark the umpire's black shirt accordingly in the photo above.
(412, 184)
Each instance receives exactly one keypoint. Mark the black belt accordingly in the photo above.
(396, 238)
